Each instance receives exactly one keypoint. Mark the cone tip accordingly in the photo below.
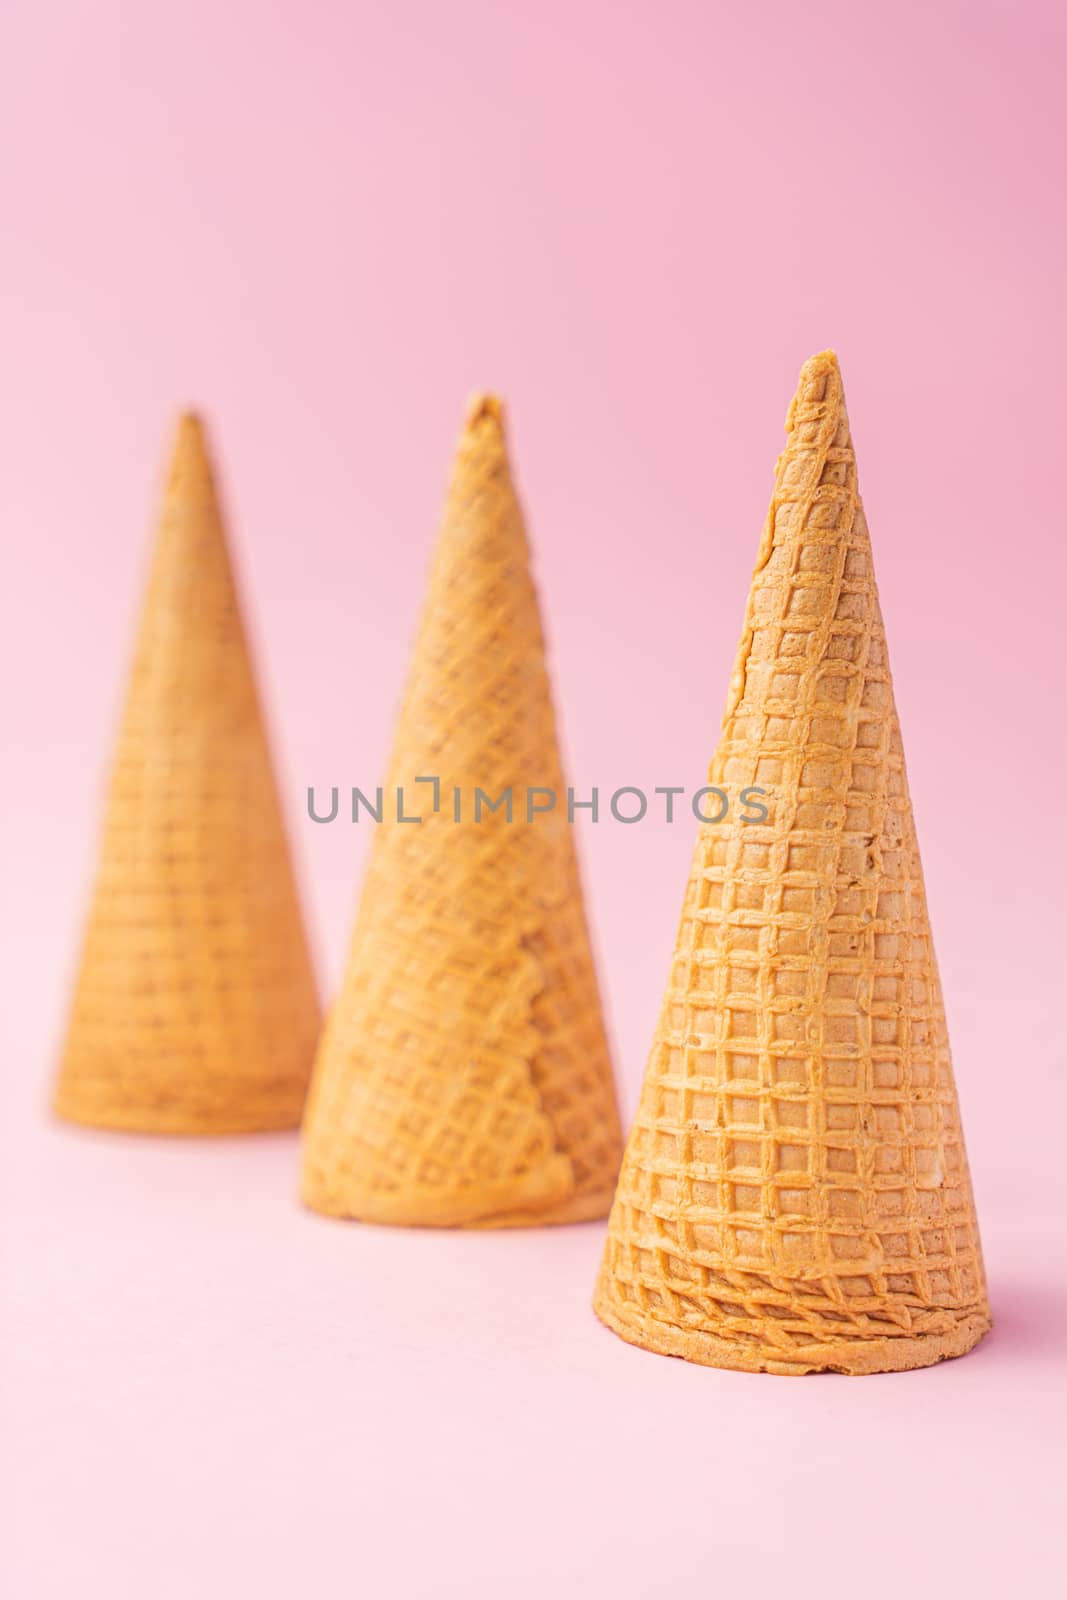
(190, 423)
(190, 436)
(819, 384)
(820, 366)
(484, 407)
(190, 453)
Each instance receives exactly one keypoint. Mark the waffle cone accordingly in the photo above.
(463, 1077)
(195, 1008)
(794, 1195)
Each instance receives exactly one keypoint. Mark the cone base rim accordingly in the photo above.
(593, 1207)
(177, 1122)
(853, 1358)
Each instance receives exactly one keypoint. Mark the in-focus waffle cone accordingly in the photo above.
(794, 1195)
(463, 1077)
(195, 1009)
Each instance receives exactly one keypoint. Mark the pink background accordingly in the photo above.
(325, 224)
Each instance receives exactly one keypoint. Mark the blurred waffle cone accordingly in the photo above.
(463, 1077)
(794, 1195)
(195, 1008)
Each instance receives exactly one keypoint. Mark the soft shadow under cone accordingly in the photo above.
(195, 1008)
(463, 1077)
(794, 1195)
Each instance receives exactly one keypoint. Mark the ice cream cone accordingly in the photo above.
(794, 1195)
(463, 1077)
(195, 1008)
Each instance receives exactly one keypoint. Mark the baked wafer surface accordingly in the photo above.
(795, 1195)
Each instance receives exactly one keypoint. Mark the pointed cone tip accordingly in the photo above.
(190, 424)
(190, 435)
(484, 408)
(820, 365)
(819, 383)
(190, 440)
(189, 462)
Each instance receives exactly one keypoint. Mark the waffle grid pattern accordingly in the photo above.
(195, 1007)
(464, 1077)
(796, 1180)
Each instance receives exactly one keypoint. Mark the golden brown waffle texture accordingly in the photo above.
(463, 1077)
(794, 1195)
(195, 1008)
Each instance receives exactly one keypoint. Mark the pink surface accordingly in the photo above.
(325, 225)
